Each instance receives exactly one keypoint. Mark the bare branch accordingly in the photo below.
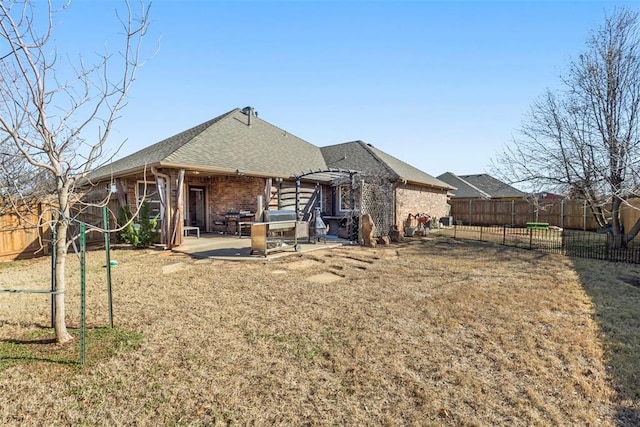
(584, 140)
(49, 116)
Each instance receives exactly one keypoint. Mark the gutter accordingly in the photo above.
(406, 181)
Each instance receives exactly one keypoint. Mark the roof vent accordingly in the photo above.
(248, 111)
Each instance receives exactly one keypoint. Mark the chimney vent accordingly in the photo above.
(249, 112)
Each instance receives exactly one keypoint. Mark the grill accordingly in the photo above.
(279, 231)
(279, 215)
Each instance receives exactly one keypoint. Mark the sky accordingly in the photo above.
(443, 86)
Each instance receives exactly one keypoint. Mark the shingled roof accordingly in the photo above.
(357, 155)
(480, 186)
(237, 140)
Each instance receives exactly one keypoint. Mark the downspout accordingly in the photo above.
(166, 222)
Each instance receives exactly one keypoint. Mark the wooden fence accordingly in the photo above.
(569, 214)
(27, 233)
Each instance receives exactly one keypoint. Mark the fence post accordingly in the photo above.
(562, 213)
(83, 282)
(107, 238)
(513, 212)
(54, 238)
(481, 232)
(584, 215)
(504, 235)
(455, 229)
(530, 238)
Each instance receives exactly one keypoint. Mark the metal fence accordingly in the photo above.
(575, 243)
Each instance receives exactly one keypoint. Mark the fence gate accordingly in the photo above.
(376, 199)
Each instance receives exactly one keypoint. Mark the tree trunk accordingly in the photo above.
(618, 239)
(62, 228)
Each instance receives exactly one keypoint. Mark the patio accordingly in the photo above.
(232, 248)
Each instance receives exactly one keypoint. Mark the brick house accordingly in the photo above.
(238, 164)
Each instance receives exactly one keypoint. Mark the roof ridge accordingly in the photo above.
(369, 147)
(484, 193)
(286, 132)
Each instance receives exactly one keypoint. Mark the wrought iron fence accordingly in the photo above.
(575, 243)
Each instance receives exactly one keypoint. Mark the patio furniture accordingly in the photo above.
(538, 225)
(241, 219)
(188, 228)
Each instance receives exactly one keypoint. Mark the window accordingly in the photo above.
(151, 196)
(344, 198)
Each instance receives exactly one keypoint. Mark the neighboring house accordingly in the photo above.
(483, 199)
(239, 163)
(480, 187)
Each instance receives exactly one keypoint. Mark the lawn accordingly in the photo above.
(432, 332)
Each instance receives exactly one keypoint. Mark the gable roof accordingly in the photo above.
(240, 141)
(480, 186)
(237, 140)
(357, 155)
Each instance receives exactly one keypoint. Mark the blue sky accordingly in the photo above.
(440, 85)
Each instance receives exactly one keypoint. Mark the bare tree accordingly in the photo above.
(584, 139)
(20, 182)
(56, 121)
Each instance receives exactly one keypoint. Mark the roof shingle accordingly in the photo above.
(358, 155)
(226, 143)
(480, 186)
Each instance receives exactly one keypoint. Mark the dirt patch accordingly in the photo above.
(173, 268)
(327, 277)
(302, 264)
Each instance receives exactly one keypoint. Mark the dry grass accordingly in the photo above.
(436, 332)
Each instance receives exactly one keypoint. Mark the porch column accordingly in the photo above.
(177, 232)
(163, 184)
(352, 201)
(298, 198)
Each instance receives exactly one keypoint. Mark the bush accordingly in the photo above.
(140, 235)
(128, 233)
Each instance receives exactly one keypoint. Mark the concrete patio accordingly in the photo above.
(234, 248)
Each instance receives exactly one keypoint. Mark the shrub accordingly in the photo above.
(142, 234)
(128, 233)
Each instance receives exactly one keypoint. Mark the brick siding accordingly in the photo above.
(413, 199)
